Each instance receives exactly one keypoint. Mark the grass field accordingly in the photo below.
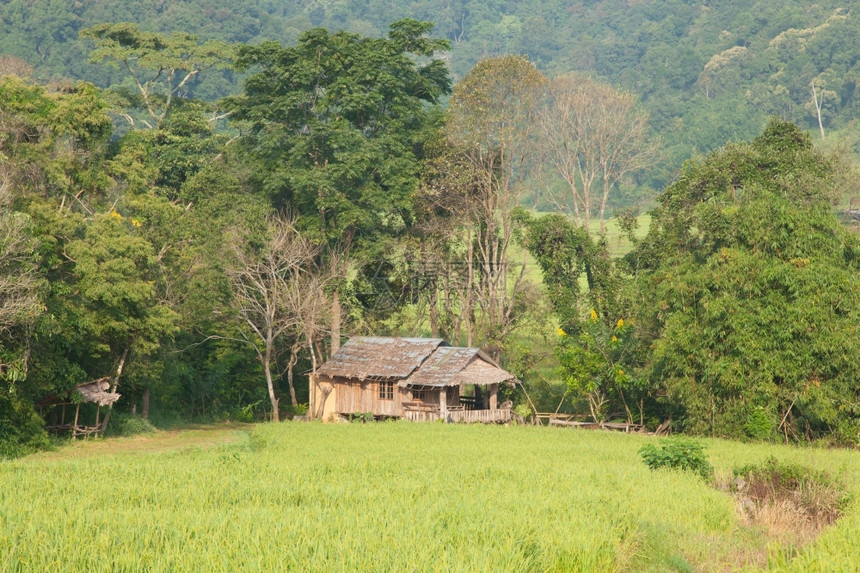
(393, 497)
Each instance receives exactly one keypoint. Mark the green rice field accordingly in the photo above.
(396, 497)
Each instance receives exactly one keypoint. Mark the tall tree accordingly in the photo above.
(593, 136)
(161, 67)
(278, 289)
(19, 300)
(336, 122)
(493, 112)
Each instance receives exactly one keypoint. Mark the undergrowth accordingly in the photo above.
(792, 503)
(122, 424)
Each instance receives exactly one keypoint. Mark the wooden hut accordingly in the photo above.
(411, 378)
(94, 392)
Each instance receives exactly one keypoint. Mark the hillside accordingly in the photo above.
(709, 72)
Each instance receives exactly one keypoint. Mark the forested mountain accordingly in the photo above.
(708, 72)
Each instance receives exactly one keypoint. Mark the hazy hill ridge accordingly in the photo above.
(709, 72)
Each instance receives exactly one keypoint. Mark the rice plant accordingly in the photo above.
(397, 497)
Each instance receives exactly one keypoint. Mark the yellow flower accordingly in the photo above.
(620, 372)
(561, 332)
(114, 214)
(135, 222)
(593, 315)
(620, 323)
(614, 339)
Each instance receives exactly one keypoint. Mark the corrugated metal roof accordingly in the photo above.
(364, 357)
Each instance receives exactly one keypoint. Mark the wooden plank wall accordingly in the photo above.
(354, 396)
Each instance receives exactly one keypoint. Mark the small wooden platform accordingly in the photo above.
(616, 426)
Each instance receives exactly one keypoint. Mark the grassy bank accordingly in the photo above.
(395, 496)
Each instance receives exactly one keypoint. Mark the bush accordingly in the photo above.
(759, 424)
(298, 410)
(128, 425)
(813, 493)
(361, 417)
(677, 453)
(22, 431)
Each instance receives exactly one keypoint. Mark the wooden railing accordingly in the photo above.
(432, 414)
(500, 415)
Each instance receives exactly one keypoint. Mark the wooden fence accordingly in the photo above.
(497, 416)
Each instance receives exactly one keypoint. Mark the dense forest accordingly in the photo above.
(708, 72)
(233, 191)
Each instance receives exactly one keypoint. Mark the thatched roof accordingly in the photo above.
(413, 362)
(379, 358)
(97, 391)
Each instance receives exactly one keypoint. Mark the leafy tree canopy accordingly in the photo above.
(337, 121)
(749, 291)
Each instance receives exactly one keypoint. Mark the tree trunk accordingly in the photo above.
(335, 322)
(144, 406)
(271, 386)
(266, 362)
(114, 385)
(434, 312)
(313, 385)
(818, 102)
(294, 357)
(468, 311)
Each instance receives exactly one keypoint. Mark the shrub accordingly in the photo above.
(297, 410)
(677, 453)
(22, 431)
(759, 425)
(122, 424)
(814, 494)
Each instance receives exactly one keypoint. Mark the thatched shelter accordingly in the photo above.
(94, 392)
(411, 378)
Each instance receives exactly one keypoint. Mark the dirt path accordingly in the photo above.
(203, 436)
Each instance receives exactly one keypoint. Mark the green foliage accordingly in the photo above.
(122, 424)
(599, 355)
(21, 429)
(159, 66)
(747, 286)
(679, 454)
(598, 363)
(298, 410)
(361, 417)
(53, 143)
(335, 122)
(707, 77)
(564, 252)
(759, 424)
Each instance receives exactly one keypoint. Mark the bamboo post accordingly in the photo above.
(75, 427)
(443, 403)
